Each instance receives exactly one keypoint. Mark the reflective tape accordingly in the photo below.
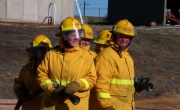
(72, 28)
(42, 45)
(85, 83)
(64, 82)
(104, 95)
(122, 81)
(101, 41)
(42, 85)
(61, 82)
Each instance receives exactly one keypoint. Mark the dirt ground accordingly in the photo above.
(156, 53)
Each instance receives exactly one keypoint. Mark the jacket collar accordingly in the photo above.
(85, 48)
(70, 50)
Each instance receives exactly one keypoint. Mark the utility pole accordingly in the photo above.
(84, 12)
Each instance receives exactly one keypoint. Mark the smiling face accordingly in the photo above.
(73, 39)
(85, 42)
(122, 40)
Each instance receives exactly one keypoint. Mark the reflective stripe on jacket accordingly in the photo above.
(115, 82)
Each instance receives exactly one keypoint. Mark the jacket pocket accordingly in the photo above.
(82, 94)
(118, 92)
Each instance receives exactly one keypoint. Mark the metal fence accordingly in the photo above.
(95, 12)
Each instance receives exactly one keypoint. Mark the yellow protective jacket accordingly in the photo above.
(115, 79)
(64, 67)
(27, 78)
(90, 52)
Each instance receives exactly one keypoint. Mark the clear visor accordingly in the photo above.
(74, 34)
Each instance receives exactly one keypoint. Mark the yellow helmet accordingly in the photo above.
(124, 27)
(70, 24)
(41, 41)
(88, 31)
(104, 37)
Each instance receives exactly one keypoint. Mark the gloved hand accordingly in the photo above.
(109, 108)
(56, 95)
(19, 89)
(138, 89)
(141, 84)
(55, 92)
(21, 92)
(72, 87)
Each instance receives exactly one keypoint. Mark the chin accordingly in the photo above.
(74, 45)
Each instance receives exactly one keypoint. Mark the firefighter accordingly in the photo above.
(69, 66)
(105, 40)
(26, 82)
(115, 70)
(86, 41)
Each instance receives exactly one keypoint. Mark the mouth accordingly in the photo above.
(74, 42)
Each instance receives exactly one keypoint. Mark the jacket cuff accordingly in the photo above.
(84, 85)
(105, 102)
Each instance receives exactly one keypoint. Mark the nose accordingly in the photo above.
(76, 39)
(123, 38)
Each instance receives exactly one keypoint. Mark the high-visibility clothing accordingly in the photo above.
(90, 52)
(73, 64)
(27, 78)
(115, 84)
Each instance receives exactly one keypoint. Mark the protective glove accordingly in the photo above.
(56, 92)
(72, 87)
(19, 89)
(109, 108)
(141, 84)
(56, 95)
(21, 92)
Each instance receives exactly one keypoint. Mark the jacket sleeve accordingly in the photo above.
(103, 69)
(19, 84)
(88, 80)
(42, 75)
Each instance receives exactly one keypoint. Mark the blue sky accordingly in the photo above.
(93, 7)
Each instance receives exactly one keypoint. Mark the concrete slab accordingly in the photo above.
(14, 10)
(3, 8)
(30, 12)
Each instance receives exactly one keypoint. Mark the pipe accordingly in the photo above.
(26, 23)
(165, 7)
(7, 103)
(82, 22)
(152, 109)
(49, 13)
